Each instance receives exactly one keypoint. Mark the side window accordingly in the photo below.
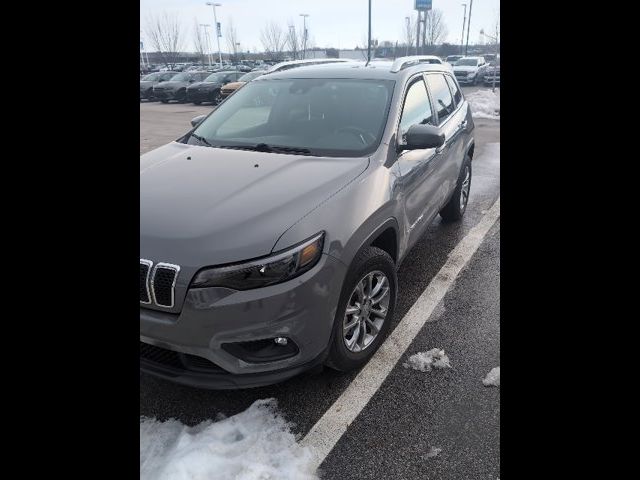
(417, 108)
(441, 96)
(457, 94)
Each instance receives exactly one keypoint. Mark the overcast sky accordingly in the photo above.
(331, 23)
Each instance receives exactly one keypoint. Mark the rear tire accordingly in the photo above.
(457, 204)
(197, 103)
(164, 101)
(375, 263)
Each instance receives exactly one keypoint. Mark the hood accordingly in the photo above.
(203, 85)
(208, 206)
(465, 68)
(233, 85)
(171, 85)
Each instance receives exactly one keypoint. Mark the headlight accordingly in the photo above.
(276, 268)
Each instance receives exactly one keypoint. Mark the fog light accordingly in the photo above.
(281, 340)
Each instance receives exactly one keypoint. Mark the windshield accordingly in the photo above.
(467, 62)
(181, 77)
(216, 77)
(249, 76)
(326, 117)
(152, 77)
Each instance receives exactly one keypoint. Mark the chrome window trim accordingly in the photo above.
(149, 264)
(169, 266)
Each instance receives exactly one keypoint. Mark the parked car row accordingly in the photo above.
(475, 70)
(200, 86)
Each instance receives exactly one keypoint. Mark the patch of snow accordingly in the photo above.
(256, 444)
(485, 104)
(433, 452)
(493, 378)
(425, 361)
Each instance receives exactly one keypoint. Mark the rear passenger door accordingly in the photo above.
(450, 120)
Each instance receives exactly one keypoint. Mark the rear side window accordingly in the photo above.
(442, 98)
(457, 94)
(417, 108)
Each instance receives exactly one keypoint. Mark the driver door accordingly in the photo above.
(416, 166)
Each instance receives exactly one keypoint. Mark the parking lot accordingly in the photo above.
(441, 424)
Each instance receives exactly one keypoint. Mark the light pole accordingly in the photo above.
(215, 27)
(408, 27)
(464, 19)
(495, 39)
(238, 51)
(466, 47)
(304, 34)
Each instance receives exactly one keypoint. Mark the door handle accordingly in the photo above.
(463, 125)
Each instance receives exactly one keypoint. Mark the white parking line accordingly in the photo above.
(324, 435)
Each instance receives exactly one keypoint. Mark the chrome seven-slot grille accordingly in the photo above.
(157, 284)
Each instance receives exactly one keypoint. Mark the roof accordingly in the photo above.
(281, 65)
(377, 69)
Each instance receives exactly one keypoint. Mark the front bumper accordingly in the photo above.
(465, 79)
(302, 309)
(165, 94)
(146, 94)
(200, 95)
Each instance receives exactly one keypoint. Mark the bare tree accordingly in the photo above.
(294, 40)
(435, 29)
(409, 33)
(273, 40)
(232, 38)
(166, 36)
(200, 41)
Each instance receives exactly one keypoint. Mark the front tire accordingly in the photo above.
(365, 311)
(457, 205)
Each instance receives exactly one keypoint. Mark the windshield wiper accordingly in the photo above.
(263, 147)
(201, 139)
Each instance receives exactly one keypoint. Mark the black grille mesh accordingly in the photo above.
(181, 361)
(163, 286)
(144, 294)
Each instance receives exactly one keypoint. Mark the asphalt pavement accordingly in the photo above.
(413, 411)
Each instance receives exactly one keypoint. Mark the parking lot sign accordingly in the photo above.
(219, 30)
(423, 5)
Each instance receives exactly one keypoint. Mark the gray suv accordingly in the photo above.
(270, 234)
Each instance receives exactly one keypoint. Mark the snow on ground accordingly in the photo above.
(255, 444)
(425, 361)
(493, 378)
(485, 104)
(433, 452)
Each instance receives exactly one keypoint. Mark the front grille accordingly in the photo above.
(180, 361)
(145, 266)
(163, 284)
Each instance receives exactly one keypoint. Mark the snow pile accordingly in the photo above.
(433, 452)
(255, 444)
(484, 104)
(493, 378)
(425, 361)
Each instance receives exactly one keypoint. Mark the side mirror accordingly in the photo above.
(195, 121)
(422, 137)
